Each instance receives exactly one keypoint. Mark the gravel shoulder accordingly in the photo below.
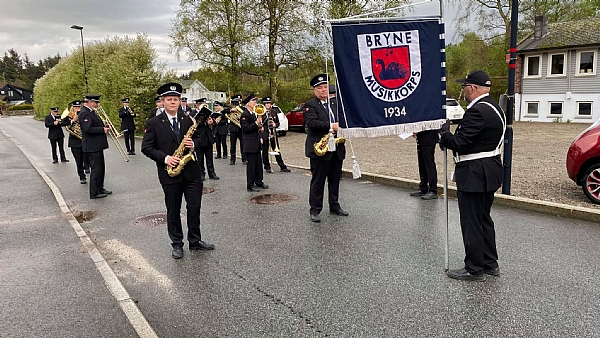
(538, 167)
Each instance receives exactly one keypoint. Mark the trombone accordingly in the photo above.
(276, 149)
(112, 131)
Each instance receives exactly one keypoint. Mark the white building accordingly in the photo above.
(194, 89)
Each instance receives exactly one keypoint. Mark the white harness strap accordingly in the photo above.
(484, 154)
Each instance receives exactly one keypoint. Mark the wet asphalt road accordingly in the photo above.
(377, 273)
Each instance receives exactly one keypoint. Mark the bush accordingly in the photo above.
(21, 107)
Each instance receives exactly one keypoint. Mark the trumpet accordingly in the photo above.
(112, 131)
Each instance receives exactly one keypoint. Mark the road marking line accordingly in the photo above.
(126, 303)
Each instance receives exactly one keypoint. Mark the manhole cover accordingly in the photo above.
(273, 198)
(207, 190)
(152, 220)
(84, 216)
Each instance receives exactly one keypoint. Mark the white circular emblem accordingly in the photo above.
(320, 78)
(173, 87)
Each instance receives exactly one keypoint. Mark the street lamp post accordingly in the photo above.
(80, 29)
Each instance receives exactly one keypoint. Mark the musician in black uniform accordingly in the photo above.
(320, 116)
(426, 141)
(220, 130)
(128, 126)
(75, 142)
(269, 136)
(163, 136)
(204, 151)
(55, 135)
(93, 144)
(184, 108)
(156, 110)
(478, 174)
(235, 133)
(252, 127)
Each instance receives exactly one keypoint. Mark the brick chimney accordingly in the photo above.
(541, 26)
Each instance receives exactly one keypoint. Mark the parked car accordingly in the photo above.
(283, 124)
(454, 112)
(583, 162)
(295, 117)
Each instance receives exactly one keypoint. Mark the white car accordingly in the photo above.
(283, 124)
(454, 112)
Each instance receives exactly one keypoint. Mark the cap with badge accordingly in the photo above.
(54, 109)
(169, 89)
(319, 80)
(184, 99)
(235, 99)
(477, 77)
(75, 103)
(217, 103)
(92, 97)
(157, 99)
(266, 99)
(125, 100)
(200, 101)
(249, 98)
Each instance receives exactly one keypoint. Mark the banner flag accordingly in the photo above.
(390, 76)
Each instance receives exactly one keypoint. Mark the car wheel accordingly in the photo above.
(282, 133)
(591, 183)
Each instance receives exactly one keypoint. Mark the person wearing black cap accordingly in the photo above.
(184, 108)
(252, 127)
(128, 125)
(94, 141)
(235, 132)
(270, 129)
(220, 130)
(158, 109)
(320, 116)
(163, 136)
(204, 151)
(476, 145)
(55, 135)
(75, 142)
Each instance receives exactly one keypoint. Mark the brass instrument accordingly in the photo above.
(179, 152)
(75, 128)
(234, 115)
(276, 149)
(322, 146)
(112, 131)
(260, 109)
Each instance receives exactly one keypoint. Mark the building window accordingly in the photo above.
(584, 109)
(533, 66)
(11, 93)
(555, 109)
(556, 64)
(586, 63)
(532, 109)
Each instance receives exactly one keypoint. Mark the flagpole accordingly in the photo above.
(446, 218)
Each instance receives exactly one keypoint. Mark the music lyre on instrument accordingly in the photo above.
(112, 131)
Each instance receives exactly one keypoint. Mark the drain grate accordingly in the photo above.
(152, 220)
(273, 198)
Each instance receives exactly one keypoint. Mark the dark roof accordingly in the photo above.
(576, 33)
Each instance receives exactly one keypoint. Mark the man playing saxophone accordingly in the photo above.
(71, 121)
(164, 135)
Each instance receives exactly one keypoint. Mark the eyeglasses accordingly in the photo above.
(466, 85)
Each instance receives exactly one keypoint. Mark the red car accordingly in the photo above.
(296, 117)
(583, 162)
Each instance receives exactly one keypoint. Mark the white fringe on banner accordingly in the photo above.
(396, 129)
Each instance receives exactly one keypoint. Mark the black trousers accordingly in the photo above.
(321, 170)
(221, 143)
(427, 168)
(80, 161)
(129, 140)
(97, 164)
(60, 142)
(254, 171)
(192, 190)
(479, 236)
(205, 152)
(265, 155)
(233, 137)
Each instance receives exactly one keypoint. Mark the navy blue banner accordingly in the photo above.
(389, 76)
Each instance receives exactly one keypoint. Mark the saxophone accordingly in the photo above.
(179, 152)
(322, 146)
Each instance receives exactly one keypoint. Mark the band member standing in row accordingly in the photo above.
(252, 127)
(269, 136)
(204, 151)
(220, 129)
(75, 142)
(128, 126)
(184, 108)
(158, 109)
(235, 133)
(55, 135)
(163, 136)
(93, 144)
(320, 117)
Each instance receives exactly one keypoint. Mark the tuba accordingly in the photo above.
(180, 152)
(235, 112)
(322, 146)
(74, 128)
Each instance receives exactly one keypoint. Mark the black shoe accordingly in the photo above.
(253, 189)
(201, 245)
(82, 181)
(263, 186)
(430, 196)
(463, 274)
(213, 177)
(98, 196)
(177, 252)
(285, 170)
(232, 161)
(132, 152)
(269, 171)
(128, 152)
(55, 161)
(218, 156)
(65, 160)
(87, 171)
(418, 193)
(224, 157)
(203, 177)
(245, 161)
(339, 212)
(492, 272)
(315, 218)
(106, 192)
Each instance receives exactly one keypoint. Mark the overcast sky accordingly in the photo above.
(41, 28)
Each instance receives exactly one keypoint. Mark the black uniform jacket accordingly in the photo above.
(126, 116)
(207, 137)
(250, 133)
(160, 141)
(480, 130)
(54, 131)
(186, 110)
(267, 129)
(428, 138)
(221, 128)
(154, 111)
(92, 130)
(317, 120)
(74, 142)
